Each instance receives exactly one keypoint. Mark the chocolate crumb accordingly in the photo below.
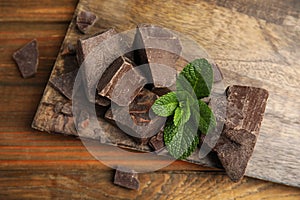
(85, 20)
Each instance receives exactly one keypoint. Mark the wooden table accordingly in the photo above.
(36, 165)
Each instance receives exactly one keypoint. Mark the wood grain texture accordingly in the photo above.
(35, 164)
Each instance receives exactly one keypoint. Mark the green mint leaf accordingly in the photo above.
(182, 140)
(177, 116)
(165, 105)
(199, 73)
(184, 91)
(207, 119)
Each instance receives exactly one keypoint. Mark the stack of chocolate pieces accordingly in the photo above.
(124, 94)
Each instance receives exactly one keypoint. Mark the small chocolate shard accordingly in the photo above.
(85, 20)
(68, 49)
(126, 178)
(102, 101)
(244, 114)
(161, 91)
(64, 83)
(116, 80)
(27, 59)
(137, 121)
(218, 76)
(157, 141)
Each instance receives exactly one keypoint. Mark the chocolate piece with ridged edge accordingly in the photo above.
(244, 114)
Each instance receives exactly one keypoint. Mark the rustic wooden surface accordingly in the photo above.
(34, 164)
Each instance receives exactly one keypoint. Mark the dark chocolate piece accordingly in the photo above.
(157, 47)
(126, 178)
(27, 59)
(64, 83)
(244, 114)
(157, 141)
(85, 20)
(68, 49)
(218, 76)
(87, 45)
(104, 48)
(70, 63)
(114, 84)
(137, 120)
(102, 101)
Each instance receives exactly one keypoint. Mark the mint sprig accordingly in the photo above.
(187, 113)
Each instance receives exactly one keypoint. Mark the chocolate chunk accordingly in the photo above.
(70, 63)
(137, 121)
(87, 45)
(27, 59)
(126, 178)
(68, 49)
(102, 101)
(159, 48)
(115, 89)
(244, 114)
(64, 83)
(157, 142)
(103, 49)
(218, 76)
(85, 20)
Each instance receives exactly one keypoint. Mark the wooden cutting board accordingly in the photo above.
(254, 44)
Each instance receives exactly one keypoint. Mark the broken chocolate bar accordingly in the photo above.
(64, 83)
(116, 80)
(157, 141)
(159, 48)
(137, 121)
(27, 59)
(126, 178)
(244, 114)
(85, 20)
(96, 54)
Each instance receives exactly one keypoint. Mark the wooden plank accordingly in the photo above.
(91, 184)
